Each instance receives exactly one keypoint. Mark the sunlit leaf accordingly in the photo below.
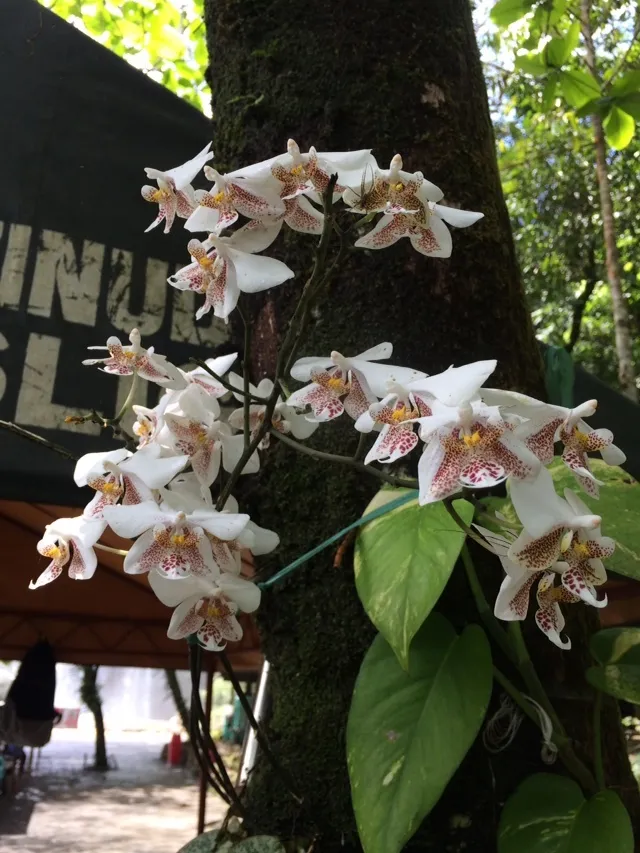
(630, 104)
(578, 87)
(505, 12)
(619, 128)
(532, 63)
(403, 560)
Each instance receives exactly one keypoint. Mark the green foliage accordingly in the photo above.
(403, 561)
(208, 843)
(617, 650)
(619, 506)
(619, 128)
(164, 40)
(505, 12)
(616, 645)
(408, 731)
(549, 814)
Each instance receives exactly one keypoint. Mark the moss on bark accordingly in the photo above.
(397, 78)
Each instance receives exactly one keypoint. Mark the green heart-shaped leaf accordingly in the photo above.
(408, 731)
(403, 561)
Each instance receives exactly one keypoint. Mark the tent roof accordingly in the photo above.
(114, 619)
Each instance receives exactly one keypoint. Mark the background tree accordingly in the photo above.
(581, 54)
(90, 695)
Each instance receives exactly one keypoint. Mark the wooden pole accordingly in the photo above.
(202, 798)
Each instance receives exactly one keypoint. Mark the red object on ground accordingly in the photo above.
(174, 753)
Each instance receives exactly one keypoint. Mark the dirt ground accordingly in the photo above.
(143, 806)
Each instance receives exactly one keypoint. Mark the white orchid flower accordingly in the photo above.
(69, 540)
(127, 360)
(393, 188)
(206, 441)
(221, 272)
(310, 173)
(172, 543)
(120, 475)
(230, 197)
(285, 419)
(405, 405)
(346, 384)
(472, 446)
(206, 607)
(512, 602)
(548, 423)
(410, 208)
(174, 193)
(550, 523)
(394, 416)
(184, 493)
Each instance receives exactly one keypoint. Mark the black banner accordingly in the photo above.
(79, 126)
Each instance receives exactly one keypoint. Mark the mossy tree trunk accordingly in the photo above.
(401, 78)
(90, 695)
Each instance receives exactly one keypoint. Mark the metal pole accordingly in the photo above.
(251, 747)
(202, 797)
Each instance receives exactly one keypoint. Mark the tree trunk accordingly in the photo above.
(90, 695)
(621, 316)
(343, 76)
(181, 706)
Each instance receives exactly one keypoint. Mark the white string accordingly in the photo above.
(549, 752)
(502, 728)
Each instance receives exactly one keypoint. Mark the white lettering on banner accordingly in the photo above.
(35, 401)
(4, 345)
(184, 327)
(150, 319)
(78, 286)
(15, 259)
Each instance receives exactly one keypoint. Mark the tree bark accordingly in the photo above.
(90, 695)
(343, 76)
(621, 315)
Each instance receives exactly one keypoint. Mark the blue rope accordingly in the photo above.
(410, 496)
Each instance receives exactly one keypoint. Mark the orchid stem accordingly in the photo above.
(351, 461)
(290, 343)
(482, 606)
(448, 505)
(38, 439)
(245, 377)
(260, 736)
(121, 552)
(127, 403)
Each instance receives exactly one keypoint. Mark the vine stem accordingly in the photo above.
(351, 461)
(484, 611)
(597, 742)
(246, 402)
(535, 687)
(260, 736)
(518, 697)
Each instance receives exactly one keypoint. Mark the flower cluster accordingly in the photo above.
(288, 189)
(469, 436)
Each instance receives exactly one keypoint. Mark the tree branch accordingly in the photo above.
(38, 439)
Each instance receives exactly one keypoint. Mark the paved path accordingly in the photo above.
(142, 807)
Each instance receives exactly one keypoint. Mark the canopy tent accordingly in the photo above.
(113, 619)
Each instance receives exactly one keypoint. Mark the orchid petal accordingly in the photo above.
(131, 521)
(243, 592)
(185, 620)
(457, 217)
(94, 462)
